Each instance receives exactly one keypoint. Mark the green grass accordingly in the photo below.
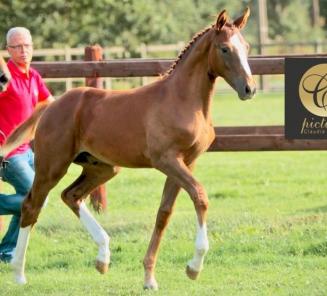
(266, 222)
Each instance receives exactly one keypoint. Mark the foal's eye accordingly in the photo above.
(224, 49)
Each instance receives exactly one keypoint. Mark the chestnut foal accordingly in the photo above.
(165, 125)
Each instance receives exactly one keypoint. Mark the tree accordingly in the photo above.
(58, 23)
(290, 20)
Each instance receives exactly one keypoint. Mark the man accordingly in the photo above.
(25, 89)
(5, 76)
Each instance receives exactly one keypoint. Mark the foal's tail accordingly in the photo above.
(25, 131)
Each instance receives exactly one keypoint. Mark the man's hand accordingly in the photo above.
(3, 163)
(3, 81)
(5, 75)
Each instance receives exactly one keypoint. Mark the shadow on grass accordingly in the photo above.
(317, 250)
(223, 195)
(315, 210)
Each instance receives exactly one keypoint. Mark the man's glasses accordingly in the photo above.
(21, 46)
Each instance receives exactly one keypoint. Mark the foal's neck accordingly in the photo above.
(192, 79)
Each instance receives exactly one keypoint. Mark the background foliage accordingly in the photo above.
(56, 23)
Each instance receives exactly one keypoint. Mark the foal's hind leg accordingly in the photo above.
(74, 195)
(45, 180)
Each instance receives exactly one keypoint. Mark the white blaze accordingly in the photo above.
(235, 40)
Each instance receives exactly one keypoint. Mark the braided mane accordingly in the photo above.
(186, 48)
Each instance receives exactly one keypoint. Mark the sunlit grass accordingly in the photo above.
(267, 225)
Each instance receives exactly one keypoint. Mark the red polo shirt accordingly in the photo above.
(18, 101)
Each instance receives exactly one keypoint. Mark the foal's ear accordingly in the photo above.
(242, 20)
(221, 20)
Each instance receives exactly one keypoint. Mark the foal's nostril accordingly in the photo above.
(247, 90)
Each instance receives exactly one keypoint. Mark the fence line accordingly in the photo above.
(257, 138)
(146, 51)
(260, 138)
(144, 67)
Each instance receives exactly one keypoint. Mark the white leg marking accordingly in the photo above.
(97, 232)
(151, 283)
(235, 40)
(18, 261)
(201, 248)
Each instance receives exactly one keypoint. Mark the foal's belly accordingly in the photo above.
(119, 153)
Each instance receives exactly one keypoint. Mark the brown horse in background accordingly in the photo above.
(164, 125)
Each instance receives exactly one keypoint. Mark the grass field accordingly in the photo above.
(267, 225)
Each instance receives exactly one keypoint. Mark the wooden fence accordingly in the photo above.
(255, 138)
(150, 50)
(154, 50)
(260, 65)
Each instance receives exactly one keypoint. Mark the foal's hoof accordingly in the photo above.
(19, 276)
(151, 285)
(20, 279)
(192, 274)
(101, 267)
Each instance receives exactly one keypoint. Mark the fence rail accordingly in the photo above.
(146, 51)
(149, 49)
(144, 67)
(260, 138)
(253, 138)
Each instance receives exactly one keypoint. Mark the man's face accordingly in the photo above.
(20, 48)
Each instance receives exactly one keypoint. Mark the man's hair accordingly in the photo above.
(18, 30)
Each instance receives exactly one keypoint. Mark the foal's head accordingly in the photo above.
(228, 55)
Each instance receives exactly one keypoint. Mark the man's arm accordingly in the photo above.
(49, 99)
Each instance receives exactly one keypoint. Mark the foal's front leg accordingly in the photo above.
(176, 169)
(169, 195)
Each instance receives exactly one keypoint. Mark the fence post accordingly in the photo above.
(262, 36)
(143, 52)
(107, 80)
(318, 46)
(68, 58)
(94, 53)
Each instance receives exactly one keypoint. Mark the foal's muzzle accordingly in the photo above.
(249, 92)
(246, 89)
